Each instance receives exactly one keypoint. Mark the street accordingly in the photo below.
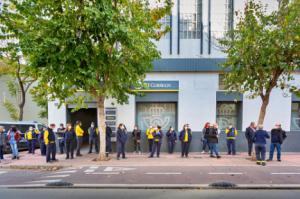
(137, 194)
(114, 176)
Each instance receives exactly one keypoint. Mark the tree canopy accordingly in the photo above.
(263, 50)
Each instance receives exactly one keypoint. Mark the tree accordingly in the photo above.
(103, 48)
(262, 50)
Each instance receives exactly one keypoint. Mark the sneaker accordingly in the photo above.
(218, 157)
(279, 160)
(258, 163)
(150, 156)
(269, 160)
(202, 152)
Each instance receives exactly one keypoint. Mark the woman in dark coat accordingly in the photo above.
(212, 139)
(121, 141)
(70, 141)
(172, 139)
(185, 137)
(136, 135)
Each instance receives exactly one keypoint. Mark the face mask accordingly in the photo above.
(92, 126)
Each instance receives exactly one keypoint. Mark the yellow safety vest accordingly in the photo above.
(78, 130)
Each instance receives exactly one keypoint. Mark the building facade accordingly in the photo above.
(186, 84)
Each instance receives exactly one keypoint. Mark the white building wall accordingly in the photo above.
(56, 115)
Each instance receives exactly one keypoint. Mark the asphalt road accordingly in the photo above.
(147, 194)
(172, 175)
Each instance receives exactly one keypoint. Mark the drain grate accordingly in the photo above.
(223, 185)
(59, 184)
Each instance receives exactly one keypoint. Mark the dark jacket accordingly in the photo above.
(108, 132)
(260, 137)
(70, 135)
(212, 135)
(41, 136)
(60, 133)
(121, 136)
(250, 132)
(157, 136)
(2, 139)
(182, 134)
(136, 134)
(278, 135)
(172, 136)
(92, 132)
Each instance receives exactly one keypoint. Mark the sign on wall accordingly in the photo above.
(111, 120)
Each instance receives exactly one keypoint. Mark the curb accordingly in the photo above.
(35, 167)
(158, 186)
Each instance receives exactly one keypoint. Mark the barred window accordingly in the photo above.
(190, 19)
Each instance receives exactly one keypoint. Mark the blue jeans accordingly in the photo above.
(205, 143)
(213, 148)
(1, 152)
(14, 149)
(272, 149)
(231, 146)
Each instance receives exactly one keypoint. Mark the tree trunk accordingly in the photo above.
(21, 112)
(263, 108)
(102, 129)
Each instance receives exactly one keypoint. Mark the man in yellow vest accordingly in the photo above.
(149, 134)
(185, 137)
(79, 135)
(31, 136)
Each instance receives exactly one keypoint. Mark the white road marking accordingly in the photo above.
(285, 173)
(89, 171)
(94, 167)
(46, 181)
(104, 173)
(57, 176)
(161, 173)
(225, 173)
(3, 172)
(62, 172)
(108, 169)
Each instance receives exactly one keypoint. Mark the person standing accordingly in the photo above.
(108, 135)
(172, 139)
(93, 137)
(277, 137)
(14, 137)
(231, 134)
(60, 137)
(70, 140)
(204, 138)
(185, 137)
(157, 140)
(42, 142)
(79, 135)
(31, 136)
(212, 139)
(250, 132)
(136, 135)
(149, 134)
(2, 143)
(260, 145)
(121, 141)
(49, 138)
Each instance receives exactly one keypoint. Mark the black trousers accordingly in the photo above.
(250, 147)
(185, 147)
(150, 143)
(79, 143)
(70, 146)
(31, 145)
(50, 152)
(94, 141)
(43, 148)
(156, 147)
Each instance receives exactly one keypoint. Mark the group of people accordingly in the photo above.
(70, 138)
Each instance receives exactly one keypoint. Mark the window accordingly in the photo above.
(228, 113)
(295, 119)
(190, 19)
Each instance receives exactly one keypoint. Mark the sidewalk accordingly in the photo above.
(29, 161)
